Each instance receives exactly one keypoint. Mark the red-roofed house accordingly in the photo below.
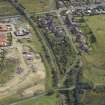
(2, 40)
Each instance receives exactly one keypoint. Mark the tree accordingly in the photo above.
(92, 38)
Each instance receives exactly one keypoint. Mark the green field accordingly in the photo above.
(44, 100)
(8, 99)
(94, 62)
(91, 98)
(7, 68)
(6, 8)
(35, 5)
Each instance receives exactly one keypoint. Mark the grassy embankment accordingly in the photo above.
(6, 8)
(94, 69)
(35, 5)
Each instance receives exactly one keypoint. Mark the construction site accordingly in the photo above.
(21, 67)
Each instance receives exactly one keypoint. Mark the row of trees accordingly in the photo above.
(60, 46)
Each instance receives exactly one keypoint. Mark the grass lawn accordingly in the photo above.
(7, 69)
(34, 41)
(8, 99)
(91, 98)
(44, 100)
(94, 69)
(35, 5)
(6, 8)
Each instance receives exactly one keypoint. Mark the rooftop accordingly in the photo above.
(2, 40)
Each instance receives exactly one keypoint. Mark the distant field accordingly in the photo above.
(35, 5)
(6, 8)
(94, 69)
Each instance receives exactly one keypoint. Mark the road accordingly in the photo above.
(68, 34)
(66, 30)
(64, 89)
